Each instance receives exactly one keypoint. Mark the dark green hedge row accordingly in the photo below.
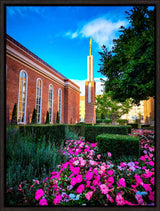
(91, 132)
(118, 145)
(78, 129)
(134, 125)
(55, 133)
(122, 121)
(107, 121)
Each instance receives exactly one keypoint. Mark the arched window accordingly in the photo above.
(50, 102)
(38, 99)
(22, 96)
(60, 104)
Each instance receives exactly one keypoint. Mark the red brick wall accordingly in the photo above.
(70, 107)
(90, 107)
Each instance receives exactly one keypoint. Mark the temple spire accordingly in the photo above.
(90, 43)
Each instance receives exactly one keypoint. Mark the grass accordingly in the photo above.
(27, 159)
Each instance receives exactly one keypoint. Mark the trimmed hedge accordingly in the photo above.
(53, 133)
(118, 145)
(107, 121)
(122, 121)
(91, 132)
(78, 129)
(134, 125)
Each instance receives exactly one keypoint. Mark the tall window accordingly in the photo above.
(50, 102)
(60, 104)
(38, 99)
(22, 97)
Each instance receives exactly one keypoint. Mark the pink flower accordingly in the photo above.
(88, 183)
(110, 172)
(142, 158)
(139, 199)
(138, 179)
(80, 188)
(43, 202)
(96, 180)
(57, 199)
(79, 178)
(89, 175)
(122, 182)
(151, 163)
(110, 181)
(93, 144)
(109, 198)
(98, 156)
(89, 195)
(122, 164)
(109, 154)
(39, 193)
(151, 196)
(152, 180)
(73, 181)
(120, 200)
(104, 189)
(147, 187)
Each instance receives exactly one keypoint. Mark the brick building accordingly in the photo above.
(32, 83)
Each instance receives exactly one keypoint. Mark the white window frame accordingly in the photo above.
(50, 115)
(40, 100)
(60, 112)
(25, 106)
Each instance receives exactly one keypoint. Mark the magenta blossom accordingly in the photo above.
(122, 182)
(89, 195)
(57, 199)
(43, 202)
(89, 175)
(39, 193)
(80, 188)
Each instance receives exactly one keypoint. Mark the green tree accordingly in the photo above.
(14, 114)
(130, 65)
(34, 116)
(57, 120)
(47, 118)
(112, 108)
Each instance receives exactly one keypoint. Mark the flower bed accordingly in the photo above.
(86, 180)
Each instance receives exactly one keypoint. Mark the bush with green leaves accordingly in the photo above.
(118, 145)
(91, 132)
(122, 121)
(134, 125)
(14, 114)
(57, 119)
(34, 116)
(47, 118)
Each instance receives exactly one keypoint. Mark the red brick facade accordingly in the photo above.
(19, 58)
(90, 114)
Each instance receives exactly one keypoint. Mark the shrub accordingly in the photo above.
(107, 121)
(78, 129)
(14, 115)
(47, 118)
(122, 121)
(99, 121)
(57, 119)
(118, 145)
(34, 116)
(134, 125)
(53, 133)
(92, 131)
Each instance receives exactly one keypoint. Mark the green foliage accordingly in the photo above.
(134, 125)
(57, 119)
(107, 121)
(91, 132)
(129, 127)
(14, 114)
(122, 121)
(130, 65)
(28, 159)
(53, 133)
(118, 145)
(112, 108)
(34, 116)
(102, 116)
(69, 135)
(77, 129)
(47, 118)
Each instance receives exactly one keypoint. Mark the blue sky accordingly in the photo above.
(60, 35)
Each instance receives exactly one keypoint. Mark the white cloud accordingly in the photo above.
(81, 84)
(103, 31)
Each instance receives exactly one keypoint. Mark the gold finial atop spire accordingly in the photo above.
(90, 42)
